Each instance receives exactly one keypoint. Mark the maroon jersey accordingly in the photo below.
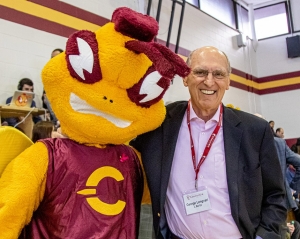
(90, 193)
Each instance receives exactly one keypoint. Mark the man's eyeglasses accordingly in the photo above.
(217, 74)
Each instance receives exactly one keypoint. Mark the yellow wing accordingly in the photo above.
(12, 142)
(22, 180)
(22, 187)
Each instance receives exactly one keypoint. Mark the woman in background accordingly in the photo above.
(42, 130)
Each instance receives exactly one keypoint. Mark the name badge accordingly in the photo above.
(196, 202)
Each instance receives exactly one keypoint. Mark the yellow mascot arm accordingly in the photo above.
(22, 189)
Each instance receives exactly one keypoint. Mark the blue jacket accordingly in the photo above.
(287, 156)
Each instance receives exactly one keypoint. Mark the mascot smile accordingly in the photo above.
(105, 89)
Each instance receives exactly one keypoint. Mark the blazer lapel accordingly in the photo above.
(232, 141)
(171, 129)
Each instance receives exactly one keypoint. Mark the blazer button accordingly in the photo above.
(158, 214)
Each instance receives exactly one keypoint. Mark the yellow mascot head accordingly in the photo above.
(107, 87)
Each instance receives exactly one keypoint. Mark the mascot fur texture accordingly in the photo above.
(105, 89)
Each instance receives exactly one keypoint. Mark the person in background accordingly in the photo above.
(272, 124)
(24, 84)
(288, 157)
(208, 166)
(296, 147)
(42, 130)
(46, 104)
(280, 133)
(45, 129)
(4, 122)
(50, 116)
(56, 51)
(293, 229)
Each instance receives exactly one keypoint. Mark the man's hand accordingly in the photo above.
(4, 123)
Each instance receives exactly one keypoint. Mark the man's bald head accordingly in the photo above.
(205, 49)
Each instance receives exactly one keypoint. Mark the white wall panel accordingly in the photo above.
(24, 52)
(284, 109)
(246, 101)
(272, 57)
(177, 91)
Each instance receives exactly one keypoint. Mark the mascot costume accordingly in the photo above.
(105, 89)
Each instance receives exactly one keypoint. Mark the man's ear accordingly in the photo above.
(185, 81)
(227, 88)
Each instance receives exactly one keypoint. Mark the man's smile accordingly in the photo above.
(208, 92)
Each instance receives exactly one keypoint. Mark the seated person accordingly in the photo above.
(46, 104)
(25, 84)
(296, 147)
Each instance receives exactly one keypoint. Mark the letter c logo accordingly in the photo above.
(95, 202)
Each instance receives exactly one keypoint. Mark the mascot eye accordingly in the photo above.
(82, 57)
(150, 89)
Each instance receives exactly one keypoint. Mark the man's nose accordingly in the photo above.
(209, 81)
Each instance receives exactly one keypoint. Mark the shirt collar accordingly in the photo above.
(214, 118)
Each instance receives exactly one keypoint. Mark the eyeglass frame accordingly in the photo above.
(214, 73)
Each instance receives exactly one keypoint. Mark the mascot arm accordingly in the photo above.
(22, 189)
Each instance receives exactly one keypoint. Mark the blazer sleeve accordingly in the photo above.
(273, 209)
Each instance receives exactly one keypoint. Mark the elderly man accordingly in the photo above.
(208, 166)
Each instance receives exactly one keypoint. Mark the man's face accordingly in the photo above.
(207, 91)
(280, 133)
(27, 88)
(272, 124)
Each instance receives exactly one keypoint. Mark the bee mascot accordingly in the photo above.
(105, 89)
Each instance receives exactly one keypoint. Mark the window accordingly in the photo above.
(243, 21)
(271, 21)
(194, 2)
(295, 8)
(223, 10)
